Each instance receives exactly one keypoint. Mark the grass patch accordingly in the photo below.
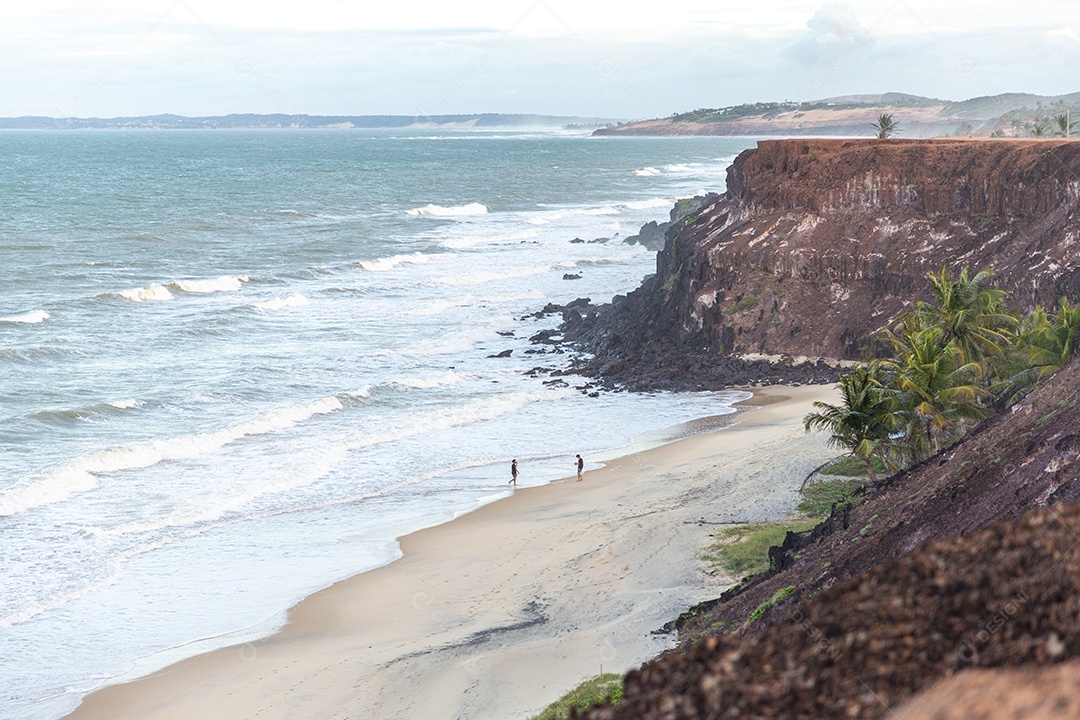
(766, 606)
(818, 497)
(605, 689)
(744, 304)
(744, 549)
(851, 466)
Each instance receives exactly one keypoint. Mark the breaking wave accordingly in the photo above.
(453, 211)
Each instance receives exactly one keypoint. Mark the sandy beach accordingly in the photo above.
(496, 614)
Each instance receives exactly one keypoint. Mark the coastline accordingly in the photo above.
(498, 612)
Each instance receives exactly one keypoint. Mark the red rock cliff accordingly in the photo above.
(817, 243)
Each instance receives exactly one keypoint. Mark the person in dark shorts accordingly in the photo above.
(580, 467)
(513, 473)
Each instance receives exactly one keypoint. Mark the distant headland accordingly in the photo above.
(1005, 115)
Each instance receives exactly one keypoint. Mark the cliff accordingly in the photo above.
(818, 243)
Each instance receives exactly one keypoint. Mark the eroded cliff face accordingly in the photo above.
(818, 243)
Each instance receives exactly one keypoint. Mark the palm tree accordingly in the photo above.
(863, 420)
(938, 394)
(1038, 128)
(1053, 339)
(971, 313)
(885, 126)
(1065, 127)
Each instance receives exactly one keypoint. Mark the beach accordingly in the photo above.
(497, 613)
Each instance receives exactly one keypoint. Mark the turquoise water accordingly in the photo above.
(234, 366)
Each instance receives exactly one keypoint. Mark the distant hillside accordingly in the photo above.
(1006, 115)
(251, 120)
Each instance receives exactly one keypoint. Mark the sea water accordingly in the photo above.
(236, 365)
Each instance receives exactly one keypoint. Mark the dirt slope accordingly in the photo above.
(971, 559)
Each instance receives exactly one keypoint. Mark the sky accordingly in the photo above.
(625, 60)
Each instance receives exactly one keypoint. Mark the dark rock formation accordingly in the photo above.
(650, 236)
(818, 243)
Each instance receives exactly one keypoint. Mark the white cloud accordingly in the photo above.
(197, 57)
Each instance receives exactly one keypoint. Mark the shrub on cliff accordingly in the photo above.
(955, 357)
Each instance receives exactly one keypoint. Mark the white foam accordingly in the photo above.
(124, 404)
(464, 242)
(453, 211)
(30, 318)
(475, 411)
(448, 378)
(554, 215)
(58, 601)
(360, 393)
(152, 293)
(652, 203)
(481, 278)
(59, 486)
(293, 300)
(647, 172)
(438, 307)
(313, 469)
(225, 283)
(389, 263)
(80, 475)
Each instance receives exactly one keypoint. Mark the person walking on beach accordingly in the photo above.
(513, 473)
(580, 467)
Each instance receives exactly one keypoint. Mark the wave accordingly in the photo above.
(151, 293)
(553, 215)
(475, 411)
(161, 291)
(353, 397)
(481, 410)
(438, 307)
(453, 211)
(389, 263)
(465, 242)
(494, 276)
(293, 300)
(448, 378)
(30, 318)
(80, 475)
(647, 172)
(225, 283)
(87, 412)
(651, 203)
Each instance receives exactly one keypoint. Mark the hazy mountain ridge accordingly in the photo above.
(169, 121)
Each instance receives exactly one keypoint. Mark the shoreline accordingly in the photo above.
(499, 611)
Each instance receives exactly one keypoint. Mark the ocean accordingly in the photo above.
(236, 365)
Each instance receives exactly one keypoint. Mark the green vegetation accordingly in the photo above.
(818, 497)
(744, 549)
(603, 689)
(1065, 126)
(885, 127)
(744, 303)
(955, 359)
(781, 595)
(852, 467)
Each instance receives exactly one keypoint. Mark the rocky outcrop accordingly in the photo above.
(653, 235)
(818, 243)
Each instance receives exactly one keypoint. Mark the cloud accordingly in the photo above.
(834, 30)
